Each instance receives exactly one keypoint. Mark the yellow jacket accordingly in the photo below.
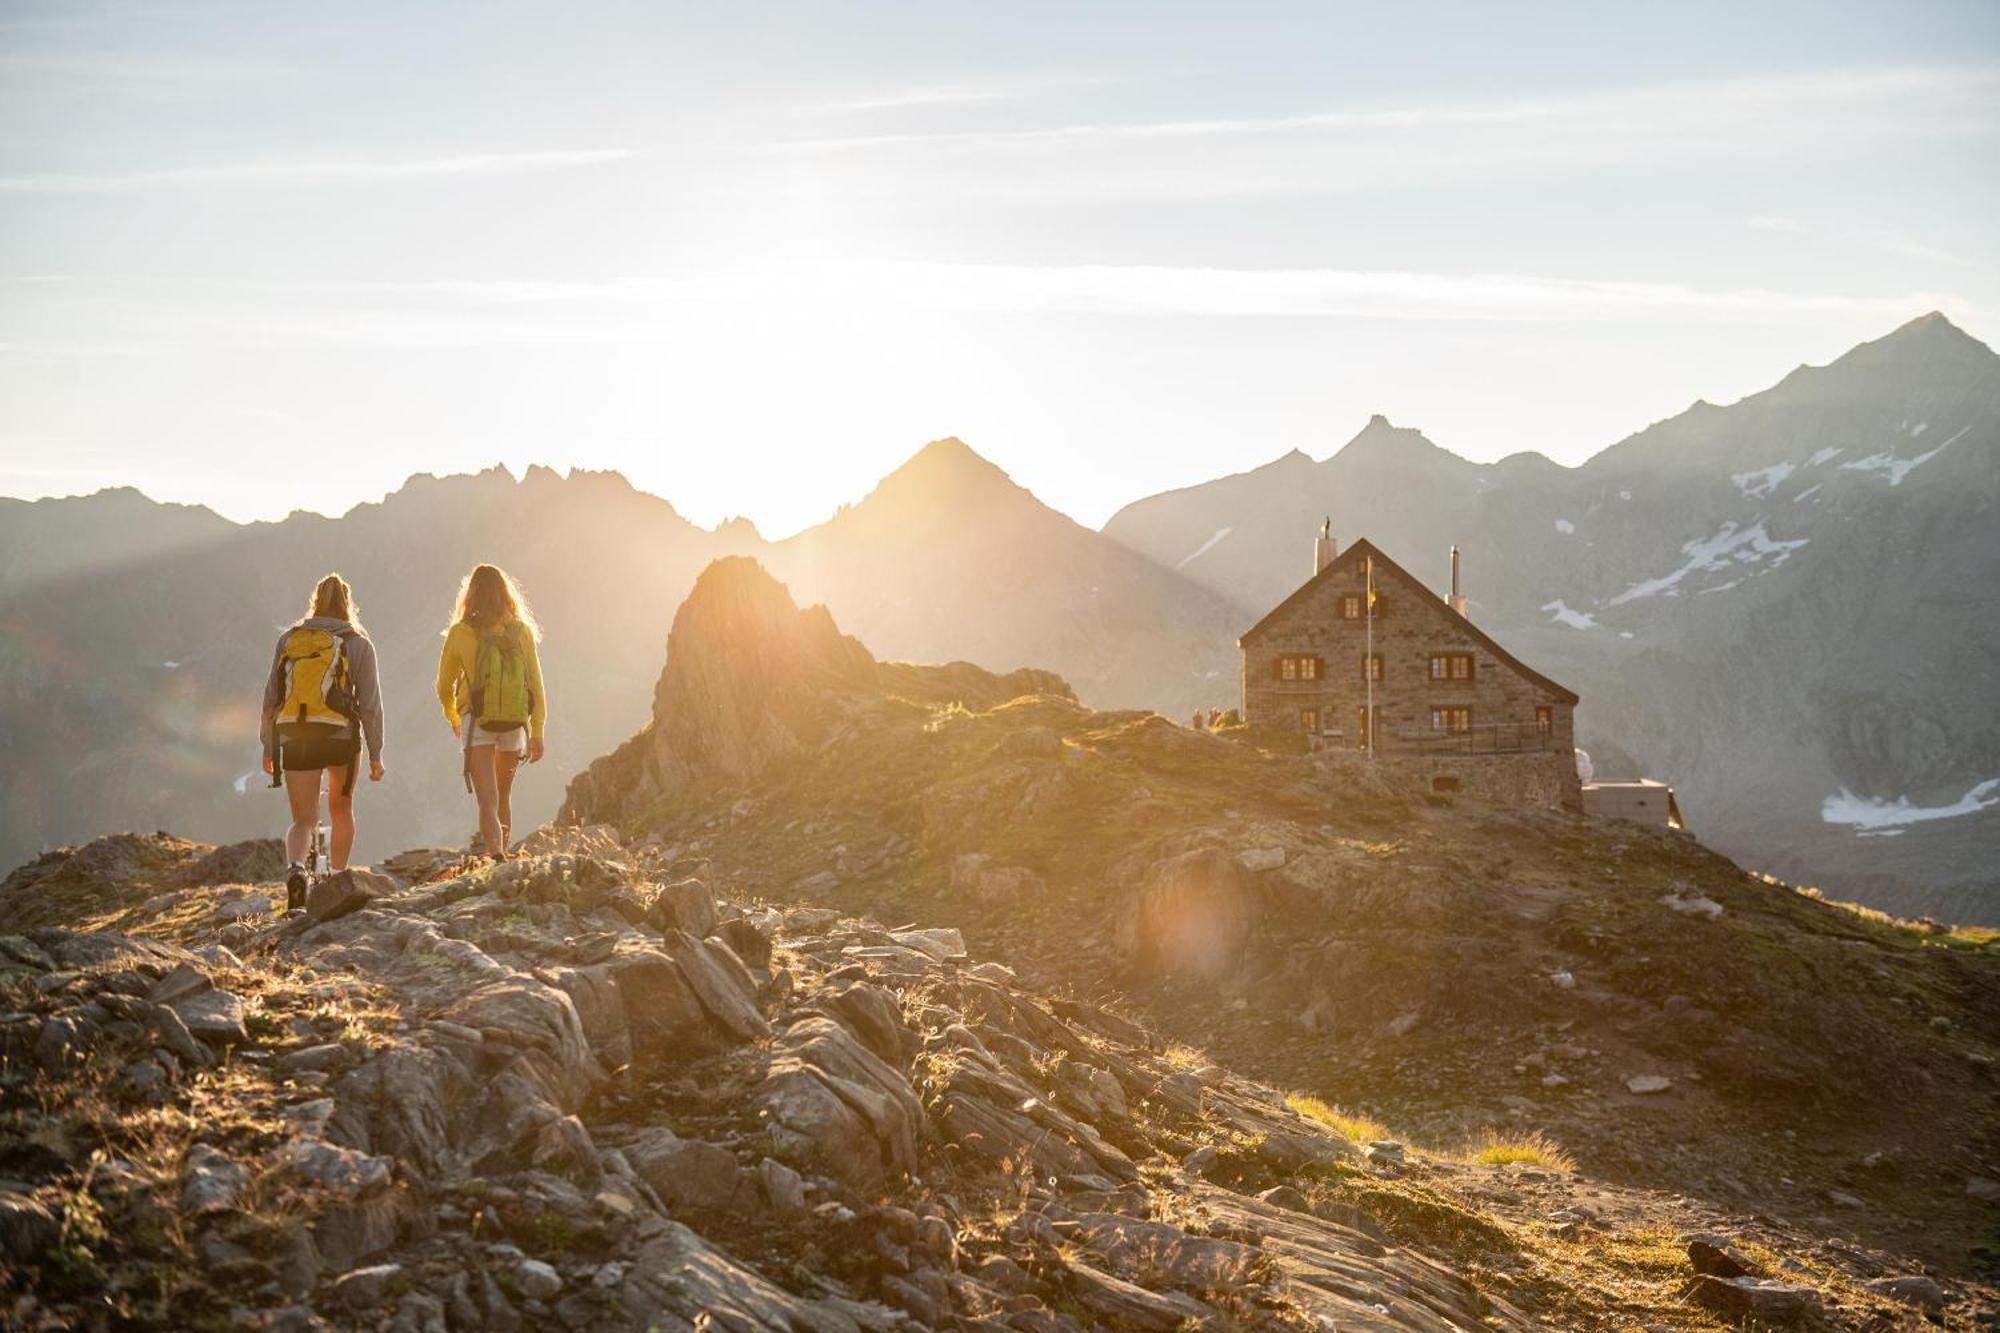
(458, 662)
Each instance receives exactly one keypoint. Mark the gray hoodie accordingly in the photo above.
(360, 652)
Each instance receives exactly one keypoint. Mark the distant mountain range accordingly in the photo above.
(1785, 606)
(1788, 607)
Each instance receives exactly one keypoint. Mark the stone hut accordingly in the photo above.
(1364, 657)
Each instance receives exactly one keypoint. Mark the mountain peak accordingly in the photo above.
(1382, 441)
(1928, 339)
(940, 482)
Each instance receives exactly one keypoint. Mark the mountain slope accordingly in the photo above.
(1785, 606)
(47, 539)
(948, 558)
(132, 699)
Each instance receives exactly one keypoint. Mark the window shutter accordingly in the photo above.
(1277, 668)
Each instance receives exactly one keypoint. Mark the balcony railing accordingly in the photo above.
(1480, 738)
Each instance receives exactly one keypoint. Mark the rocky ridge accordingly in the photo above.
(579, 1091)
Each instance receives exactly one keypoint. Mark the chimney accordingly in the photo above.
(1457, 596)
(1323, 547)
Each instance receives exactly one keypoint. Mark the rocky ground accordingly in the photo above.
(574, 1091)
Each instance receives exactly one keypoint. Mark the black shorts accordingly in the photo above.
(306, 753)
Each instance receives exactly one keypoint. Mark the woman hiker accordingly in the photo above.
(322, 699)
(490, 684)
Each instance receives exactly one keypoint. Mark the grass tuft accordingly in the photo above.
(1355, 1128)
(1497, 1148)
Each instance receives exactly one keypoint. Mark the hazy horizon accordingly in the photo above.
(753, 261)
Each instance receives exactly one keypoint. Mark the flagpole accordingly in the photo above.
(1368, 661)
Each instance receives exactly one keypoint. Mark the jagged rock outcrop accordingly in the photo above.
(752, 681)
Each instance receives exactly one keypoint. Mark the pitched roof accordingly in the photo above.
(1383, 562)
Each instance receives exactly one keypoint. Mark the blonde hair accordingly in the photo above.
(334, 600)
(488, 598)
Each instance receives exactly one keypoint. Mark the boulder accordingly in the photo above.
(684, 905)
(836, 1107)
(1194, 915)
(746, 941)
(1122, 1304)
(336, 896)
(213, 1016)
(690, 1174)
(64, 1042)
(658, 1006)
(720, 982)
(1763, 1299)
(183, 981)
(1718, 1256)
(1912, 1289)
(1643, 1084)
(944, 944)
(872, 1014)
(536, 1280)
(214, 1183)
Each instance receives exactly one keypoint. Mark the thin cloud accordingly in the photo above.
(331, 172)
(530, 311)
(1356, 149)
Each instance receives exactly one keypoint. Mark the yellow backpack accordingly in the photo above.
(319, 687)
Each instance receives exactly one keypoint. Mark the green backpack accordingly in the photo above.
(501, 699)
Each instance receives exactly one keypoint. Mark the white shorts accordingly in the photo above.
(503, 742)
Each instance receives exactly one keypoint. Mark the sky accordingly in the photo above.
(276, 256)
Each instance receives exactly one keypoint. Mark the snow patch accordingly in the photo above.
(1824, 456)
(1560, 613)
(1565, 527)
(1624, 495)
(1899, 468)
(1730, 546)
(1919, 429)
(171, 666)
(1807, 491)
(1756, 485)
(1722, 587)
(1872, 815)
(1204, 548)
(242, 783)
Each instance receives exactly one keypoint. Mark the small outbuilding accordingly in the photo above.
(1640, 801)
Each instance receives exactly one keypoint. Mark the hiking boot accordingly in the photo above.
(295, 888)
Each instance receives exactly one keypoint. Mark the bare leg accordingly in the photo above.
(340, 805)
(485, 788)
(505, 766)
(302, 792)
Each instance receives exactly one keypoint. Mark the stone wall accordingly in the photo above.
(1410, 624)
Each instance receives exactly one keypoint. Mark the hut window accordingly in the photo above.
(1371, 667)
(1451, 666)
(1298, 666)
(1309, 719)
(1351, 606)
(1545, 719)
(1454, 718)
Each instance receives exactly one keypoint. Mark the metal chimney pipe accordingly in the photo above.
(1457, 596)
(1323, 547)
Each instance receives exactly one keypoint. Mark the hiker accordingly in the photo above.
(321, 700)
(490, 684)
